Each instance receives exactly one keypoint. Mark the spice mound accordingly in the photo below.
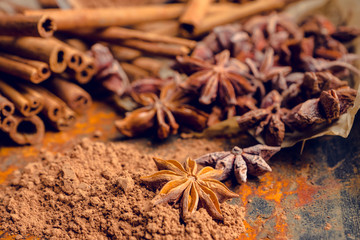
(95, 192)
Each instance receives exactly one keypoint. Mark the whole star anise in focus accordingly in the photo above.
(240, 162)
(162, 112)
(222, 80)
(267, 120)
(190, 186)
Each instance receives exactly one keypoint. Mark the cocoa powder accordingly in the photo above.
(94, 192)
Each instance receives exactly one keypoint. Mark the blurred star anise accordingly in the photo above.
(222, 80)
(190, 186)
(240, 162)
(267, 120)
(163, 112)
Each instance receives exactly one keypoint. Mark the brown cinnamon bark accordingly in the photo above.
(27, 130)
(236, 13)
(36, 100)
(48, 3)
(116, 34)
(106, 17)
(166, 27)
(157, 48)
(46, 50)
(20, 26)
(124, 53)
(73, 57)
(85, 74)
(73, 95)
(8, 123)
(22, 104)
(149, 64)
(194, 14)
(77, 44)
(31, 70)
(7, 108)
(134, 72)
(53, 106)
(66, 122)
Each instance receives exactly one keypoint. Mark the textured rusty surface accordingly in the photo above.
(315, 195)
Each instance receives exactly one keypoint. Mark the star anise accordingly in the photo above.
(222, 80)
(267, 69)
(163, 112)
(328, 107)
(190, 186)
(267, 120)
(240, 162)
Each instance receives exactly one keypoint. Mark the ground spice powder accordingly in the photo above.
(94, 192)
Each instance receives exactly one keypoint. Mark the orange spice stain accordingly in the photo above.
(305, 192)
(5, 174)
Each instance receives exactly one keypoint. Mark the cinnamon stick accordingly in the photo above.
(236, 13)
(77, 43)
(157, 48)
(19, 26)
(36, 100)
(31, 70)
(73, 57)
(66, 122)
(106, 17)
(73, 95)
(194, 14)
(7, 108)
(149, 64)
(46, 50)
(166, 27)
(123, 53)
(134, 72)
(88, 70)
(22, 104)
(53, 106)
(27, 130)
(8, 123)
(115, 34)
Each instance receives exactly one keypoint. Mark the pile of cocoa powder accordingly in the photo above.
(94, 192)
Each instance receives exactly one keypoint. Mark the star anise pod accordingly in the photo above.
(240, 162)
(162, 112)
(328, 107)
(267, 69)
(267, 120)
(222, 80)
(190, 186)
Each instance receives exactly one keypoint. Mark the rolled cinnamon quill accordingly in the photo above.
(161, 49)
(149, 64)
(134, 72)
(85, 74)
(27, 130)
(7, 108)
(67, 121)
(73, 95)
(123, 53)
(106, 17)
(236, 13)
(194, 14)
(22, 104)
(115, 34)
(166, 27)
(73, 57)
(46, 50)
(31, 70)
(36, 100)
(53, 106)
(20, 26)
(8, 123)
